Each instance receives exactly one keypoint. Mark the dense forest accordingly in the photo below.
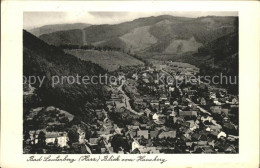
(41, 59)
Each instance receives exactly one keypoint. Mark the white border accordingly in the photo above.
(11, 73)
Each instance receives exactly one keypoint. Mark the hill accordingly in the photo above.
(161, 34)
(217, 56)
(109, 60)
(58, 38)
(47, 29)
(41, 59)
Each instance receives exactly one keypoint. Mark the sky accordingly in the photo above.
(37, 19)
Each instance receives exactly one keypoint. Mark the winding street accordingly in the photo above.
(127, 99)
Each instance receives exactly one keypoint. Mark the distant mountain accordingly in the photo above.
(41, 59)
(210, 42)
(56, 27)
(163, 34)
(58, 38)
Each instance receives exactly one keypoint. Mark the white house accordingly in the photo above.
(155, 116)
(222, 134)
(234, 101)
(135, 144)
(167, 103)
(62, 138)
(81, 136)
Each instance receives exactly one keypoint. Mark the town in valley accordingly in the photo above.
(159, 101)
(145, 115)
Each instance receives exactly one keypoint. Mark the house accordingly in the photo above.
(175, 103)
(212, 95)
(174, 119)
(156, 81)
(146, 80)
(214, 127)
(81, 148)
(111, 149)
(225, 111)
(93, 141)
(110, 102)
(167, 103)
(206, 149)
(214, 133)
(171, 89)
(132, 133)
(143, 133)
(100, 113)
(192, 105)
(154, 134)
(202, 143)
(222, 100)
(105, 132)
(138, 100)
(56, 137)
(234, 101)
(115, 97)
(188, 113)
(208, 118)
(144, 149)
(170, 134)
(135, 145)
(81, 136)
(191, 92)
(216, 109)
(155, 116)
(195, 136)
(190, 124)
(230, 149)
(132, 127)
(222, 134)
(170, 81)
(186, 124)
(103, 150)
(154, 103)
(216, 102)
(203, 101)
(135, 76)
(163, 97)
(154, 151)
(147, 112)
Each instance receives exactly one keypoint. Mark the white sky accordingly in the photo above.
(37, 19)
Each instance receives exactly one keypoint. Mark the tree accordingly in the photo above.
(26, 135)
(118, 142)
(41, 139)
(73, 135)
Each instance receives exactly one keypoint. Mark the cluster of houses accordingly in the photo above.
(178, 119)
(194, 122)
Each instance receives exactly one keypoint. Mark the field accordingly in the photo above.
(109, 60)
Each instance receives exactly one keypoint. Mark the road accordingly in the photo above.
(205, 111)
(127, 99)
(200, 108)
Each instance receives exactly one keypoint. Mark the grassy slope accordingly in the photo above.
(110, 60)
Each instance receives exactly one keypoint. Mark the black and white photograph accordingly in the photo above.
(149, 84)
(131, 82)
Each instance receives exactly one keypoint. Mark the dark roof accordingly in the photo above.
(195, 136)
